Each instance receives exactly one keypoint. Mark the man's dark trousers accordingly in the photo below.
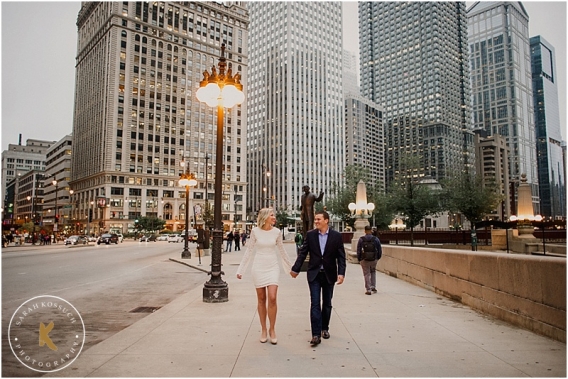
(321, 293)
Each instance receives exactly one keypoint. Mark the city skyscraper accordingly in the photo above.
(414, 64)
(551, 179)
(364, 137)
(137, 118)
(502, 101)
(350, 73)
(295, 101)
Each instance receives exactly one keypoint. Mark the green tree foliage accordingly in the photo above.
(150, 224)
(466, 193)
(282, 218)
(207, 215)
(411, 199)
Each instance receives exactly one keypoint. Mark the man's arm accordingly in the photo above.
(320, 196)
(302, 254)
(341, 263)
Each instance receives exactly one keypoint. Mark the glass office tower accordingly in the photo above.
(501, 85)
(551, 180)
(413, 58)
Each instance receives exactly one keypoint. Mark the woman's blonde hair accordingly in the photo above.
(263, 215)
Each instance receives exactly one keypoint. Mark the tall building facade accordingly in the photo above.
(136, 116)
(19, 159)
(414, 63)
(295, 101)
(57, 195)
(502, 101)
(364, 137)
(350, 85)
(551, 179)
(492, 164)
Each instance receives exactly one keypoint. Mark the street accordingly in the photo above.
(103, 282)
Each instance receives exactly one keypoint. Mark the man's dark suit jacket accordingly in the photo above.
(333, 259)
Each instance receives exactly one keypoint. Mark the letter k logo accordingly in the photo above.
(44, 336)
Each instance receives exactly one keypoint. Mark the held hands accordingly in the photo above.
(340, 279)
(293, 274)
(239, 276)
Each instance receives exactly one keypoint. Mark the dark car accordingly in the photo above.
(151, 238)
(108, 239)
(76, 240)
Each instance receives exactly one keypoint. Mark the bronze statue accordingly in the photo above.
(307, 208)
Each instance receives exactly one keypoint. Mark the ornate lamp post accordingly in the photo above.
(187, 180)
(222, 90)
(54, 182)
(71, 192)
(361, 210)
(33, 218)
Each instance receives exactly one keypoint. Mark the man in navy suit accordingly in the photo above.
(325, 267)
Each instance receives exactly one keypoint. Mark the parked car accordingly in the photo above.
(151, 238)
(108, 239)
(175, 238)
(92, 239)
(162, 237)
(75, 240)
(120, 237)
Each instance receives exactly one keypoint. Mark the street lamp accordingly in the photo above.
(54, 182)
(265, 200)
(187, 180)
(33, 218)
(361, 210)
(71, 192)
(221, 90)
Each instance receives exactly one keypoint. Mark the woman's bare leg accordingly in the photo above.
(261, 307)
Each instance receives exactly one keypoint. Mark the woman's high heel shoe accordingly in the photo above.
(263, 338)
(274, 340)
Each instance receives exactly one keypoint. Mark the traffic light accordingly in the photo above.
(90, 215)
(57, 219)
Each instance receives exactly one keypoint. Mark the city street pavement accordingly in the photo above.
(401, 331)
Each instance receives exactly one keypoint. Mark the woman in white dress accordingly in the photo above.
(263, 247)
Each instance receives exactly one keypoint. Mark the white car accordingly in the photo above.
(175, 238)
(162, 238)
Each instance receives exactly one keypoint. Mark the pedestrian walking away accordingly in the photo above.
(369, 251)
(230, 238)
(244, 238)
(263, 248)
(326, 266)
(237, 238)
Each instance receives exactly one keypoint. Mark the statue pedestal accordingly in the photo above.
(360, 224)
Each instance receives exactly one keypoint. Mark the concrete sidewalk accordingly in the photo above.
(401, 331)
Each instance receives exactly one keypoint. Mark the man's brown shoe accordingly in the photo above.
(368, 293)
(316, 340)
(325, 334)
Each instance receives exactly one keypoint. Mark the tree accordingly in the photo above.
(150, 224)
(207, 215)
(282, 218)
(469, 195)
(410, 198)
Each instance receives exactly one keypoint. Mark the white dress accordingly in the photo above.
(263, 247)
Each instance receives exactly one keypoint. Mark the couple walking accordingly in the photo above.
(325, 267)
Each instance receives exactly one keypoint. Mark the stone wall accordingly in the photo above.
(525, 290)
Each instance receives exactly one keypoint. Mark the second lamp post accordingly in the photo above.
(187, 180)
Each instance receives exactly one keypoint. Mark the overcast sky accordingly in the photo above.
(39, 44)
